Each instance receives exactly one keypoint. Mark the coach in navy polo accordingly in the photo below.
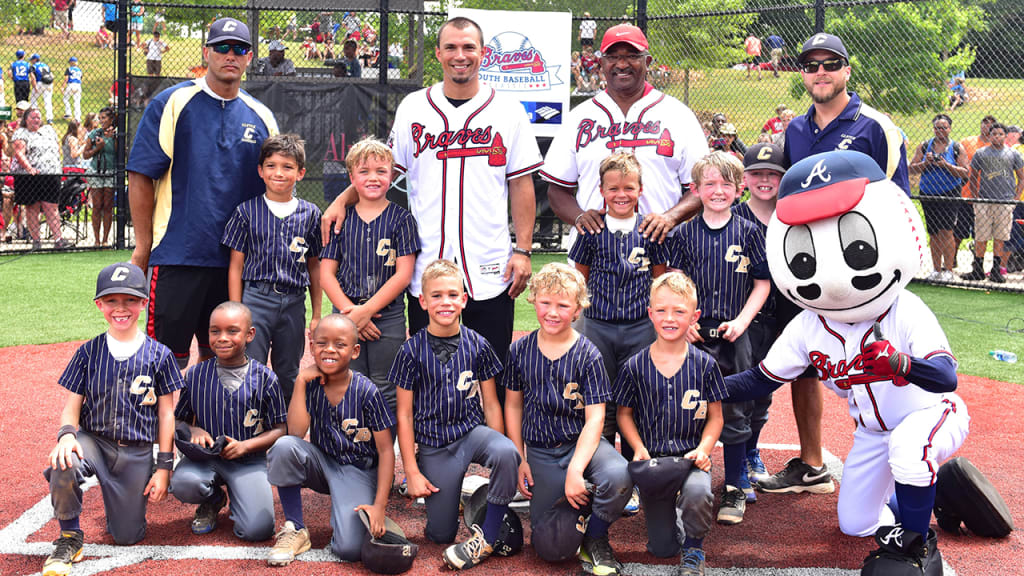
(193, 161)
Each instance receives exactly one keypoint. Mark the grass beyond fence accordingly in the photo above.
(48, 298)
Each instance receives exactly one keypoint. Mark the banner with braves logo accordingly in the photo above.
(526, 55)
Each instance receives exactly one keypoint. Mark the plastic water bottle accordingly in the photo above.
(1003, 356)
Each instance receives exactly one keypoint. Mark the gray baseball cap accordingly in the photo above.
(228, 29)
(121, 278)
(823, 41)
(276, 46)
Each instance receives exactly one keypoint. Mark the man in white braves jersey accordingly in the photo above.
(465, 150)
(628, 115)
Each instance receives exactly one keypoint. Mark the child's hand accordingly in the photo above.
(377, 528)
(525, 479)
(692, 334)
(359, 314)
(732, 329)
(576, 492)
(234, 449)
(370, 332)
(419, 487)
(201, 437)
(700, 459)
(60, 456)
(641, 454)
(157, 487)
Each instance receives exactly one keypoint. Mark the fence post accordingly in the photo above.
(819, 16)
(385, 44)
(121, 118)
(641, 15)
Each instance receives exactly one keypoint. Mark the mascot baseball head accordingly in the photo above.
(844, 239)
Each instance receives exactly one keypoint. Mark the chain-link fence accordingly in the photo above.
(737, 58)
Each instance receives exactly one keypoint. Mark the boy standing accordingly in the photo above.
(350, 454)
(993, 170)
(274, 241)
(365, 269)
(669, 406)
(725, 258)
(237, 399)
(121, 402)
(448, 404)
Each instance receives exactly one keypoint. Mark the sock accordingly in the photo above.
(997, 262)
(894, 506)
(915, 504)
(755, 437)
(67, 525)
(692, 543)
(291, 503)
(597, 528)
(492, 521)
(735, 463)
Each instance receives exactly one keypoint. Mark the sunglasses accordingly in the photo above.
(238, 49)
(811, 66)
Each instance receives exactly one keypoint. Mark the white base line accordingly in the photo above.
(104, 557)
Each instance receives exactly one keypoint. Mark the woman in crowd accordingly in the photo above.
(99, 147)
(37, 175)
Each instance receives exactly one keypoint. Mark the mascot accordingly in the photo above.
(843, 244)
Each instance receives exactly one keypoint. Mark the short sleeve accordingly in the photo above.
(275, 411)
(659, 252)
(376, 412)
(399, 138)
(313, 236)
(678, 250)
(168, 376)
(183, 411)
(513, 379)
(236, 232)
(595, 385)
(624, 391)
(582, 250)
(560, 163)
(404, 372)
(756, 252)
(714, 384)
(148, 157)
(76, 372)
(407, 238)
(523, 153)
(332, 250)
(788, 357)
(486, 364)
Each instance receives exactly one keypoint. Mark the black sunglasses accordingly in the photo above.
(238, 49)
(811, 66)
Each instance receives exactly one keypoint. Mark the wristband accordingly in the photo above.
(576, 222)
(164, 460)
(517, 250)
(67, 429)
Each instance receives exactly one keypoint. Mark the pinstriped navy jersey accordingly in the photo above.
(743, 211)
(121, 396)
(722, 263)
(670, 413)
(345, 432)
(255, 407)
(366, 251)
(275, 248)
(446, 400)
(555, 392)
(620, 272)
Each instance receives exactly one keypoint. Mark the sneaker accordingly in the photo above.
(67, 550)
(465, 555)
(977, 272)
(756, 470)
(596, 557)
(692, 562)
(403, 488)
(748, 490)
(934, 276)
(290, 543)
(946, 276)
(798, 476)
(997, 275)
(205, 520)
(732, 506)
(633, 505)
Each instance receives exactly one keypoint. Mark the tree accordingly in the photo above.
(27, 15)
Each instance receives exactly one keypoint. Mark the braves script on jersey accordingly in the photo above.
(555, 392)
(256, 406)
(446, 400)
(661, 131)
(458, 161)
(834, 350)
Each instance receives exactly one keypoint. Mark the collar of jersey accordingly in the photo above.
(620, 224)
(201, 82)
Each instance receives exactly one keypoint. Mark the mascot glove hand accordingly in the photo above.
(882, 359)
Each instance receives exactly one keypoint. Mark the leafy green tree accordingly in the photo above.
(26, 15)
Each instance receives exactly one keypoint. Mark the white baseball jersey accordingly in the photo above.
(834, 349)
(458, 161)
(662, 131)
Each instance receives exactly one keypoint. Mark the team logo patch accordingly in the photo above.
(249, 133)
(510, 62)
(140, 386)
(350, 426)
(490, 269)
(467, 382)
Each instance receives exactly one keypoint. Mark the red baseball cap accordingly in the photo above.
(624, 33)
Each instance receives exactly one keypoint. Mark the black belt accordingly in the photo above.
(276, 288)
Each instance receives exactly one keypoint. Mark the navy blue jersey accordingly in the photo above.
(345, 432)
(743, 211)
(446, 402)
(367, 251)
(722, 263)
(275, 248)
(860, 128)
(620, 272)
(121, 396)
(20, 70)
(670, 413)
(555, 392)
(256, 406)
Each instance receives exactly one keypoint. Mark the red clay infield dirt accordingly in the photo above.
(785, 534)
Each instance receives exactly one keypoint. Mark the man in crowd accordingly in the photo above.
(275, 64)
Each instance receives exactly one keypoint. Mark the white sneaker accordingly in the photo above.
(946, 276)
(935, 276)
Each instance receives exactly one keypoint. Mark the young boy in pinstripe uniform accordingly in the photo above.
(275, 249)
(669, 398)
(365, 269)
(619, 264)
(725, 258)
(448, 404)
(240, 399)
(120, 403)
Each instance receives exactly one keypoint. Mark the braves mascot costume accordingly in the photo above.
(843, 244)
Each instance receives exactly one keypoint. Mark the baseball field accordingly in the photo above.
(49, 311)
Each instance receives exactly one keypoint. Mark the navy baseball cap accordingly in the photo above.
(764, 156)
(660, 478)
(558, 529)
(19, 53)
(825, 185)
(121, 278)
(823, 41)
(196, 452)
(228, 29)
(34, 57)
(392, 553)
